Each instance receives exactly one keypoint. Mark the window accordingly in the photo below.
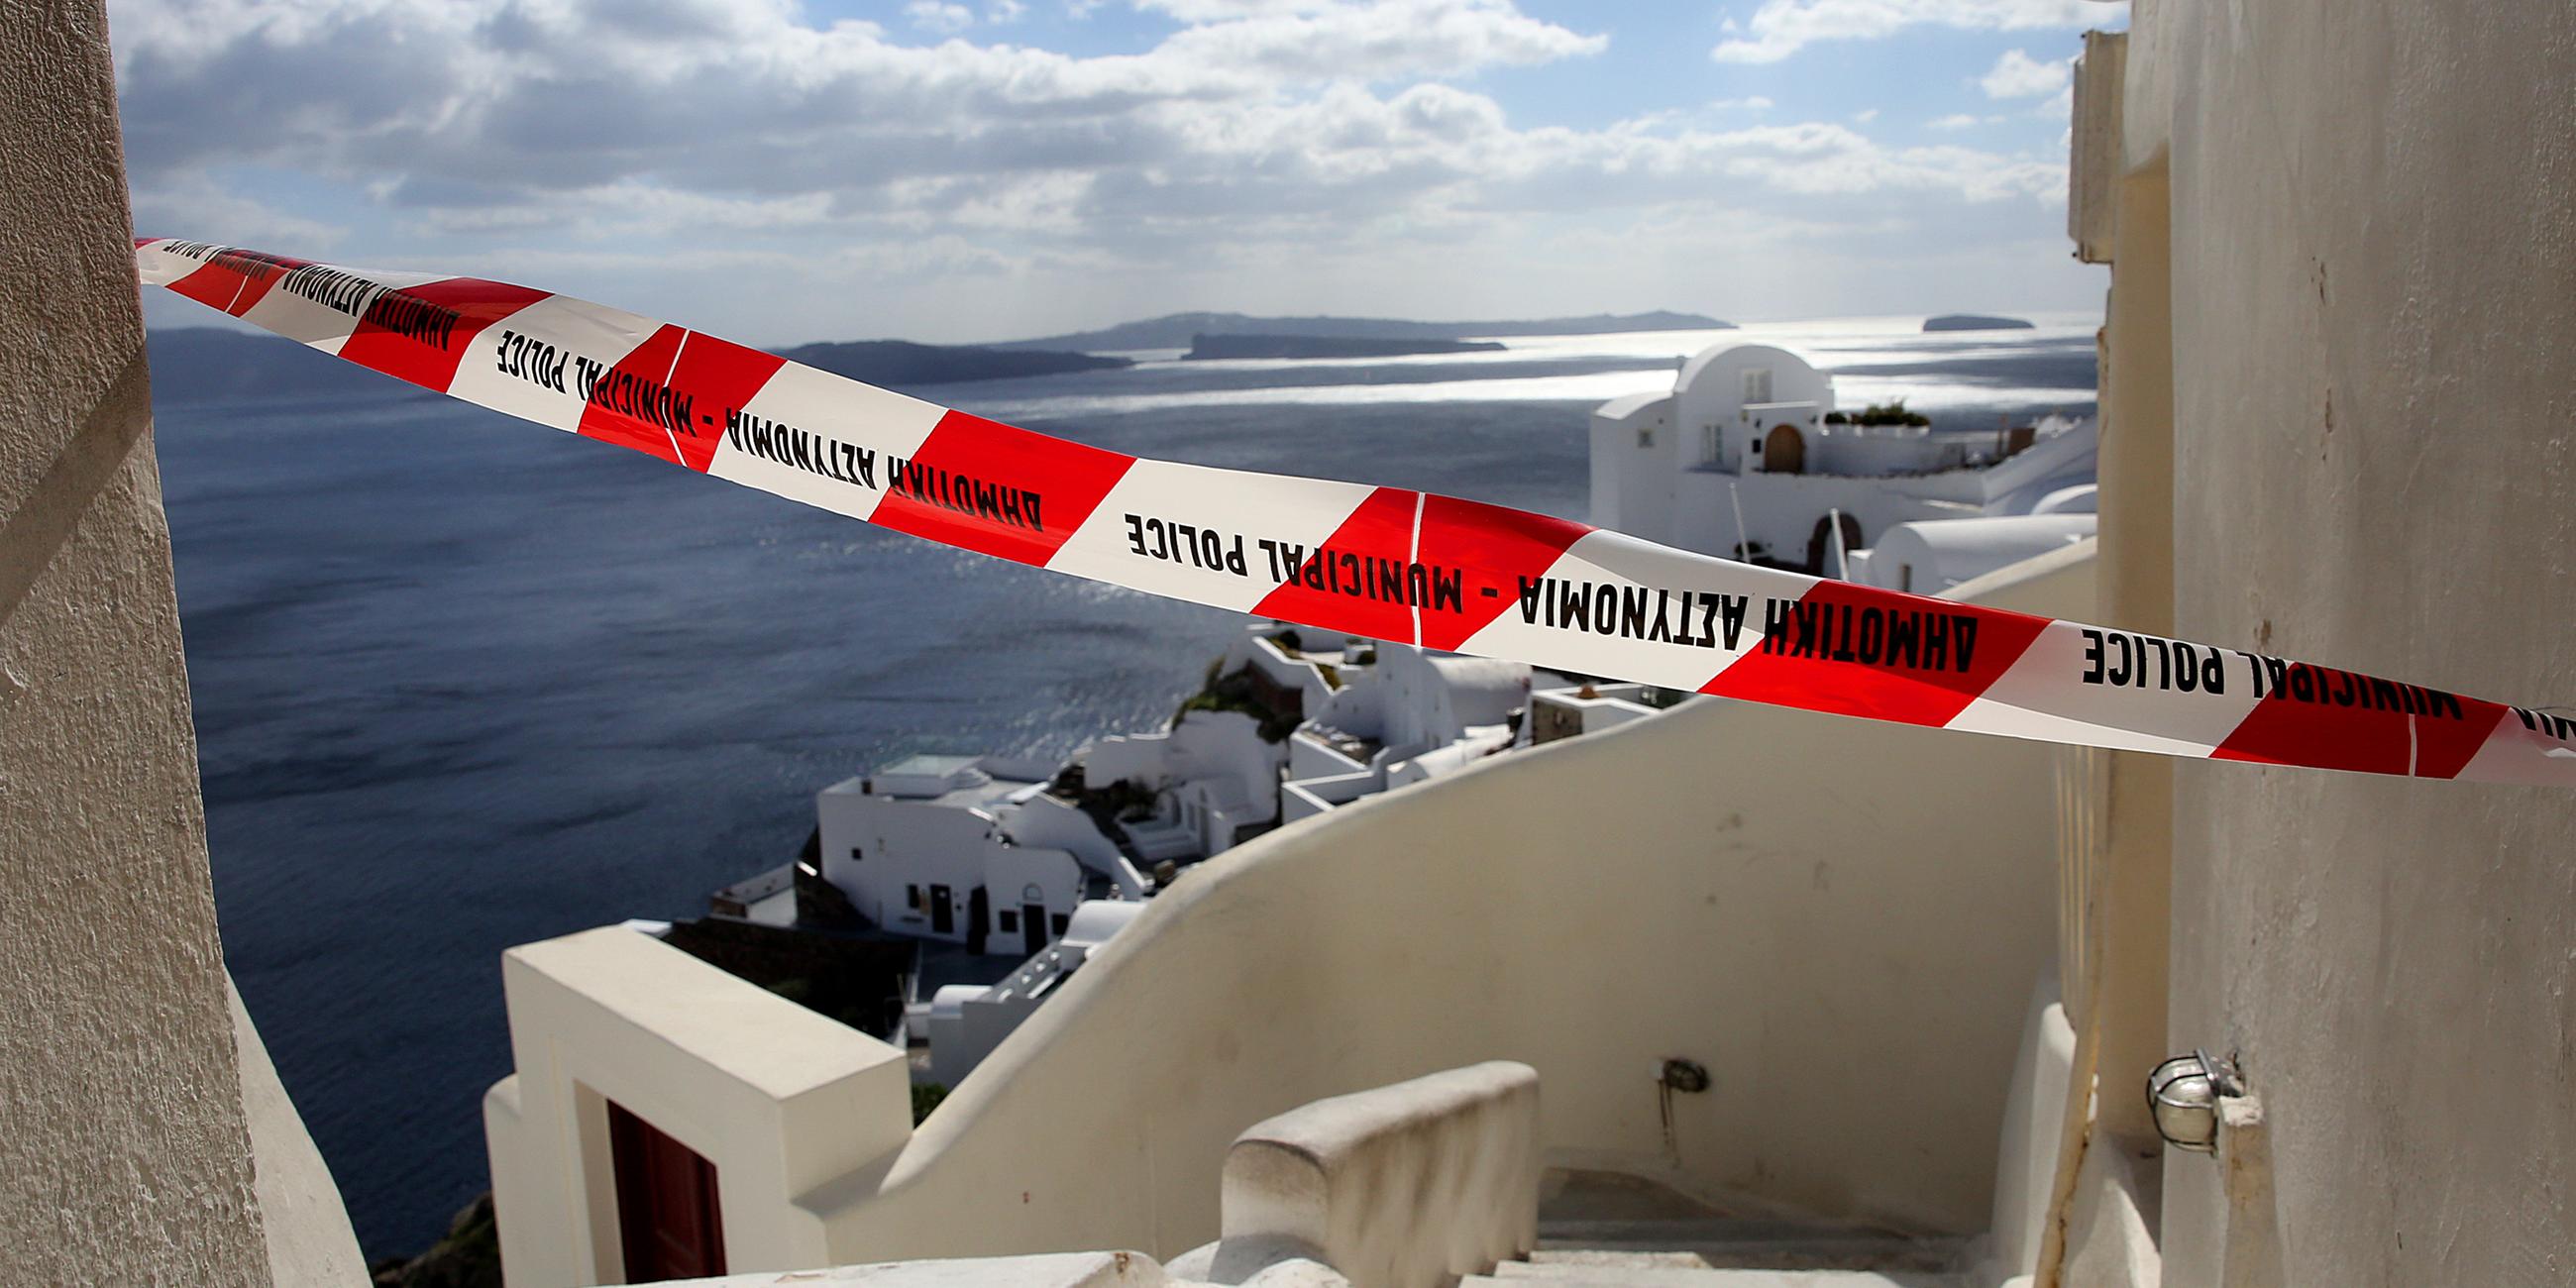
(912, 897)
(1057, 921)
(1905, 577)
(855, 855)
(1646, 437)
(1757, 384)
(1010, 918)
(1710, 443)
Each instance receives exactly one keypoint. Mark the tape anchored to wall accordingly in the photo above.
(1388, 563)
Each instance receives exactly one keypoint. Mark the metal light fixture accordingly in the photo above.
(2183, 1095)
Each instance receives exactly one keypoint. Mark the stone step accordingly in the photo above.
(1603, 1274)
(1746, 1245)
(1709, 1227)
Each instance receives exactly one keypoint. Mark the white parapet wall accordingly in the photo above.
(1060, 1270)
(1839, 920)
(1408, 1186)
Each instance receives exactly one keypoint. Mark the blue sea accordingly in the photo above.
(463, 683)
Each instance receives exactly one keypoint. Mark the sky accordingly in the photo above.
(964, 170)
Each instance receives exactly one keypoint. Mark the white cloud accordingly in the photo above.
(2018, 75)
(1958, 121)
(934, 16)
(1752, 103)
(1865, 115)
(612, 133)
(1003, 12)
(1783, 27)
(1335, 40)
(193, 205)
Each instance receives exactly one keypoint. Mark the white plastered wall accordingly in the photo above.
(2374, 294)
(127, 1153)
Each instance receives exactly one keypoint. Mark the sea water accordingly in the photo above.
(463, 683)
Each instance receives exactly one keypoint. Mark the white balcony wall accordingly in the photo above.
(1840, 919)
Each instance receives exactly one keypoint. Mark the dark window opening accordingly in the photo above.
(1057, 921)
(1010, 921)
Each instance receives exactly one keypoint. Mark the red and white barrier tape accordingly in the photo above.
(1382, 562)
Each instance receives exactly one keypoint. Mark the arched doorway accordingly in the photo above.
(1820, 547)
(1784, 451)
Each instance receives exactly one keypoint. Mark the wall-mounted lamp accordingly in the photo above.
(2183, 1095)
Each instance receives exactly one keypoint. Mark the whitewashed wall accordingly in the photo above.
(1841, 919)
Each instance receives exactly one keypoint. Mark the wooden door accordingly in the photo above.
(669, 1222)
(1784, 450)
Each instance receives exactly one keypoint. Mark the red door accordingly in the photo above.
(667, 1216)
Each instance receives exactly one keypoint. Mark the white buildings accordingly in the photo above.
(966, 850)
(1041, 864)
(995, 854)
(1928, 557)
(1413, 716)
(1749, 456)
(964, 1022)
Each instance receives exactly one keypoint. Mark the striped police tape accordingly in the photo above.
(1386, 563)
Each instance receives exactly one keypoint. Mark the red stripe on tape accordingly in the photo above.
(2328, 719)
(997, 489)
(718, 377)
(1860, 651)
(632, 404)
(1360, 580)
(420, 333)
(1485, 551)
(235, 279)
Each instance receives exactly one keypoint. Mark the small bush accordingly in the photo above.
(926, 1097)
(1891, 413)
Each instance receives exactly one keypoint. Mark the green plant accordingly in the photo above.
(926, 1097)
(1890, 413)
(1234, 692)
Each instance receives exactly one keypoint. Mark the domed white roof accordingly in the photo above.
(1778, 359)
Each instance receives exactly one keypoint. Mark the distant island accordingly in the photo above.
(1205, 347)
(901, 362)
(218, 364)
(1181, 330)
(1974, 322)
